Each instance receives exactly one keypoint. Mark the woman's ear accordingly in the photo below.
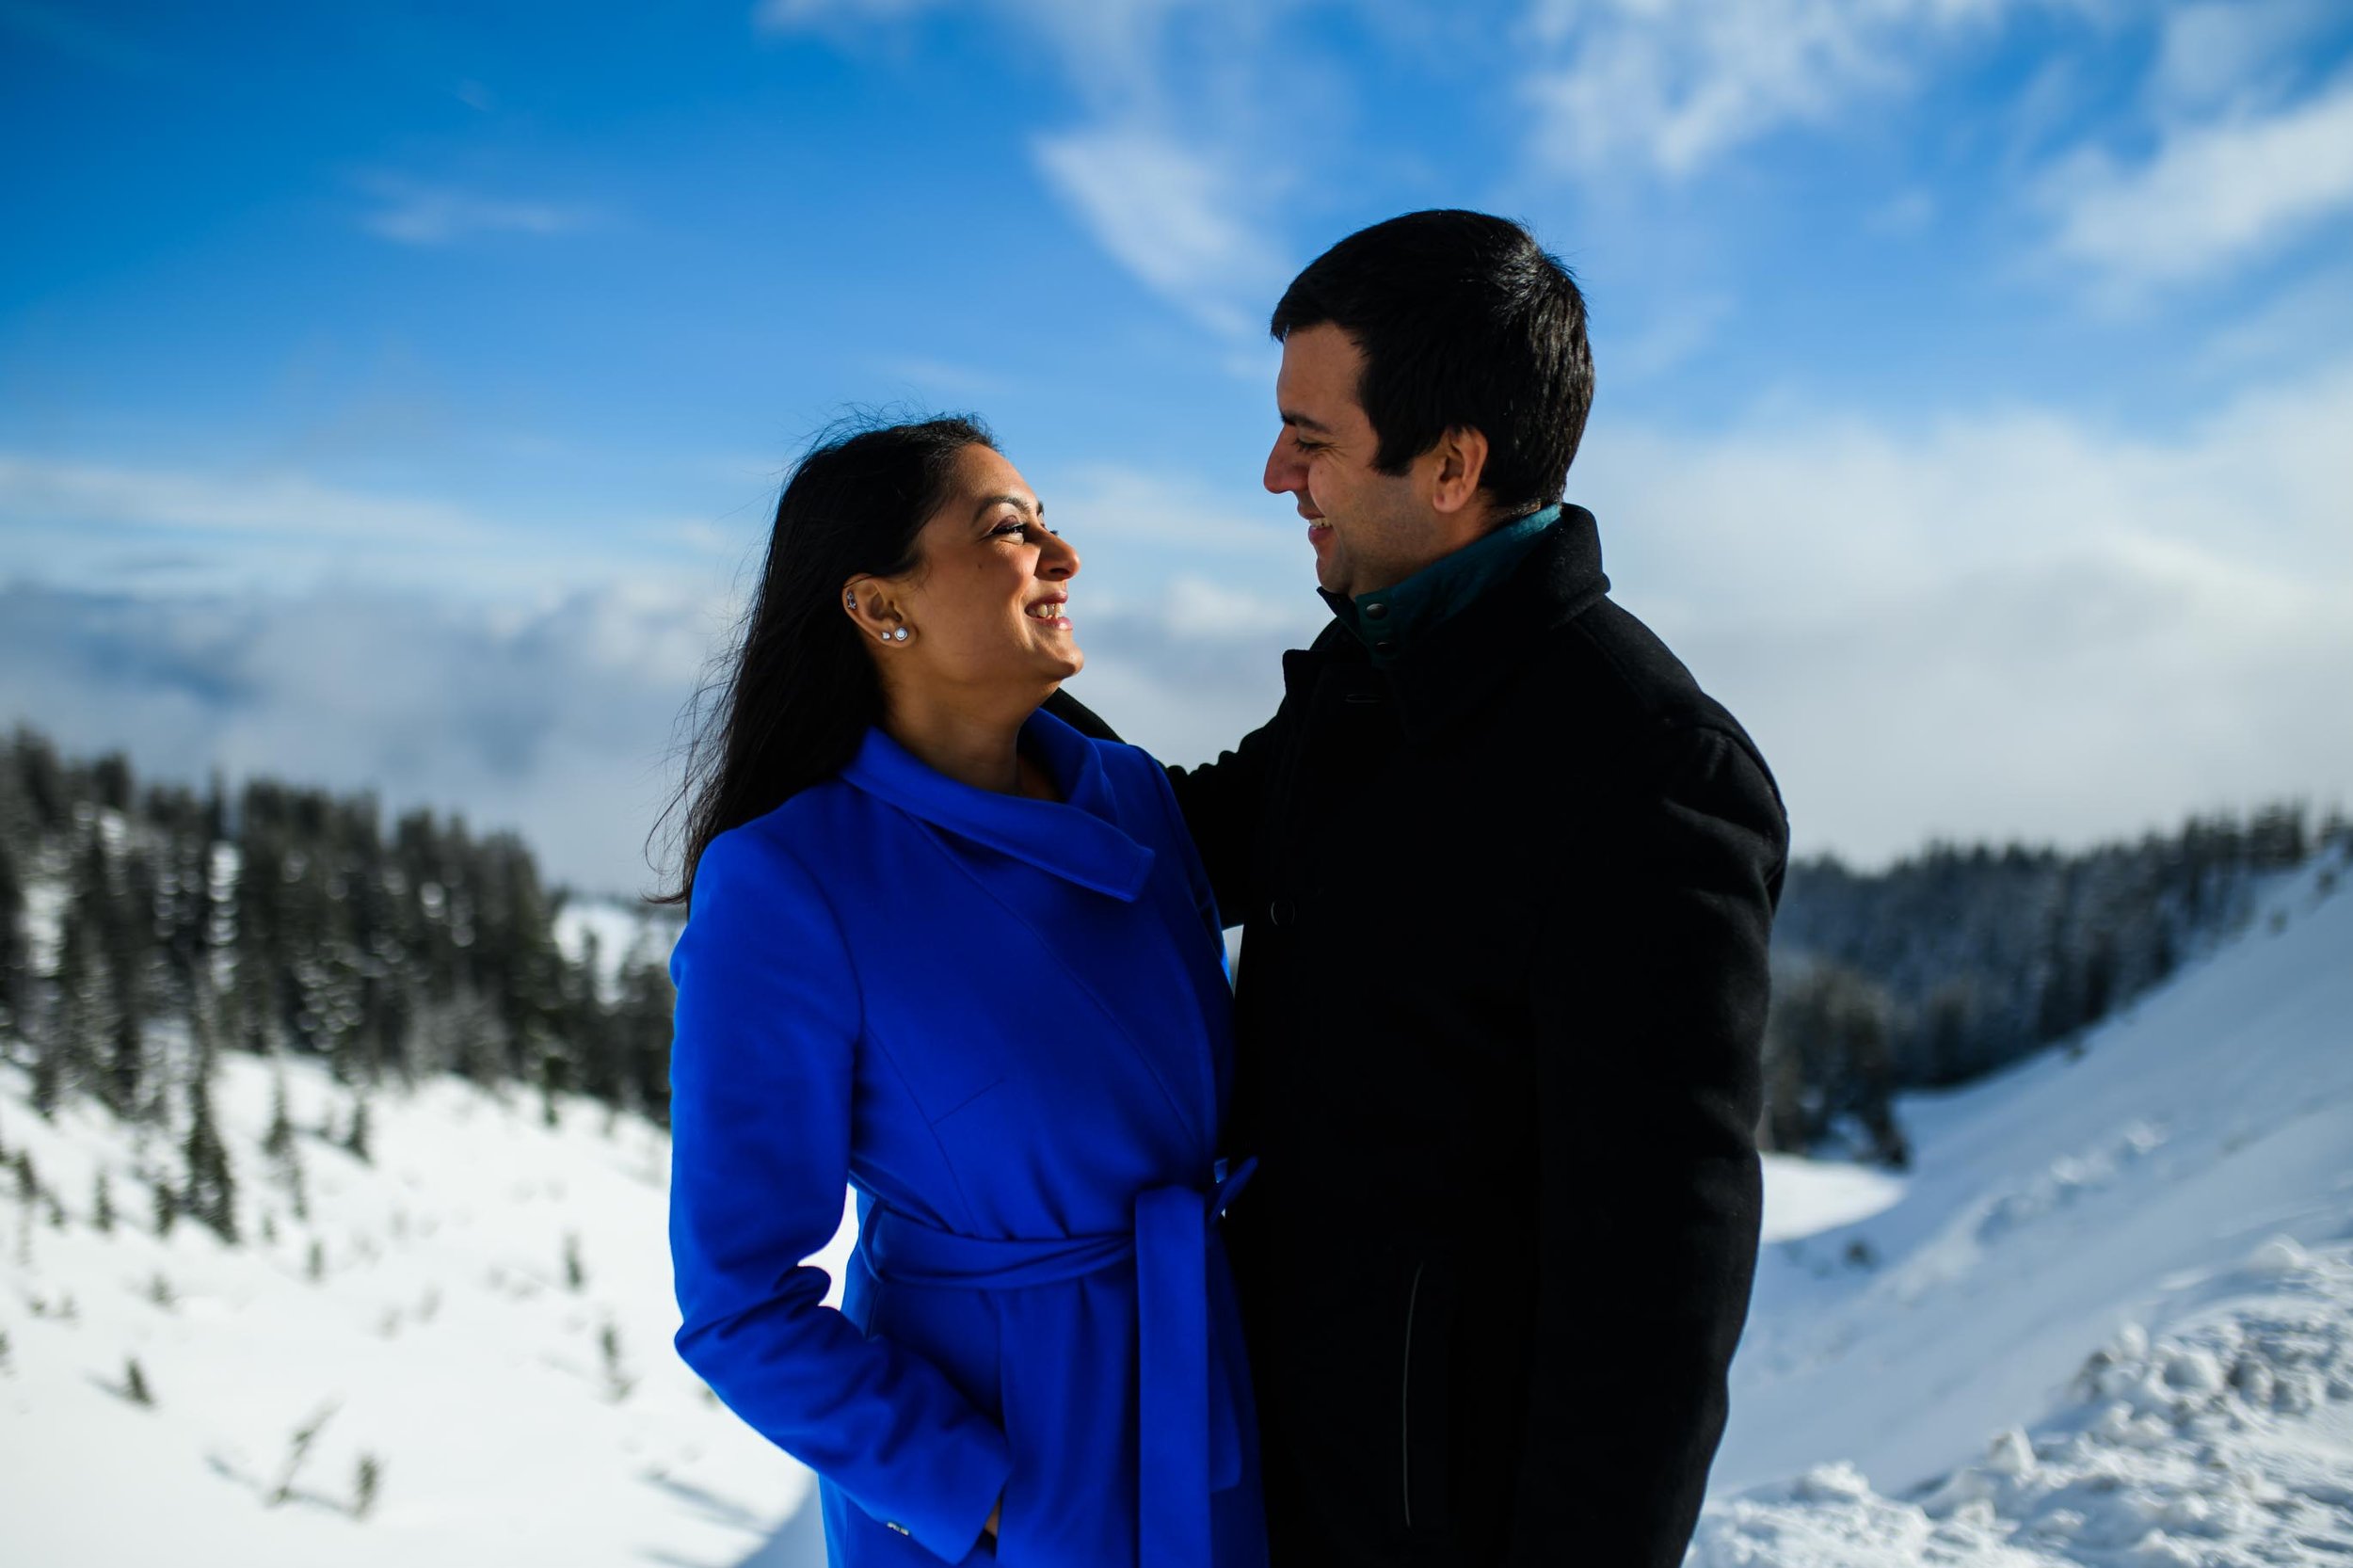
(873, 607)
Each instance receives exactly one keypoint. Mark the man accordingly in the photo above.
(1506, 876)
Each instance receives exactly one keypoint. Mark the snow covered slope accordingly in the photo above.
(427, 1305)
(2110, 1319)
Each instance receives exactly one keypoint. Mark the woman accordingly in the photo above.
(947, 949)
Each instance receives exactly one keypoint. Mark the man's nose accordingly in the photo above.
(1282, 473)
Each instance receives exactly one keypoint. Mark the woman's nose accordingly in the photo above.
(1061, 560)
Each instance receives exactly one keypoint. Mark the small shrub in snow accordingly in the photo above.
(159, 1291)
(618, 1382)
(314, 1265)
(364, 1483)
(102, 1209)
(135, 1383)
(575, 1275)
(355, 1141)
(297, 1451)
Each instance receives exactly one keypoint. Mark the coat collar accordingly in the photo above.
(1074, 839)
(1459, 661)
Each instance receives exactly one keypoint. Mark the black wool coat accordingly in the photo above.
(1499, 1015)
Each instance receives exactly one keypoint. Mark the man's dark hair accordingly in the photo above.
(1463, 320)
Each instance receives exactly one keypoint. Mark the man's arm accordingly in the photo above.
(1220, 800)
(1648, 993)
(1077, 715)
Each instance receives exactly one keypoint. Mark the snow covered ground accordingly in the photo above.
(426, 1306)
(2110, 1319)
(2107, 1319)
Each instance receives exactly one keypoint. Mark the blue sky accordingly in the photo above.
(396, 396)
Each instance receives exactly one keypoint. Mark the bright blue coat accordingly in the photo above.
(1005, 1021)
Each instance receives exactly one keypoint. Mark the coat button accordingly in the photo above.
(1282, 912)
(1384, 646)
(1376, 611)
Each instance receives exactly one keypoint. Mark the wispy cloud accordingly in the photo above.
(2211, 194)
(1171, 215)
(97, 524)
(1672, 86)
(1180, 195)
(36, 488)
(413, 212)
(2232, 54)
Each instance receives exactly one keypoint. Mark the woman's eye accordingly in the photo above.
(1015, 526)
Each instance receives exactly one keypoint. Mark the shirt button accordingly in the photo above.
(1282, 912)
(1384, 646)
(899, 1528)
(1375, 612)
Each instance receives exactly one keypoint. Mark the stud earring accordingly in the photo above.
(900, 635)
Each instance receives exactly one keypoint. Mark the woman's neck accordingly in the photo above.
(967, 744)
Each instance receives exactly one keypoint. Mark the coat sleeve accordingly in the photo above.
(1648, 992)
(1221, 802)
(764, 1033)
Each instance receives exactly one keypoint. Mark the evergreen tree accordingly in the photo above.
(210, 1195)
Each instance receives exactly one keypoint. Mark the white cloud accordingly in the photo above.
(411, 212)
(43, 488)
(1674, 85)
(1168, 213)
(2213, 194)
(104, 525)
(552, 721)
(2010, 624)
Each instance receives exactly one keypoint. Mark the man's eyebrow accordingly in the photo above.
(1019, 502)
(1292, 416)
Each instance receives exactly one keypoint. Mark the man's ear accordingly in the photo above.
(1460, 462)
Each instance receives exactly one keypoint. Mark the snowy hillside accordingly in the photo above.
(2109, 1319)
(426, 1307)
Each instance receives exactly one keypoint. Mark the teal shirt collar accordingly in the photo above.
(1389, 619)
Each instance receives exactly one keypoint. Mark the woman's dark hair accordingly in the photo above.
(797, 692)
(1463, 320)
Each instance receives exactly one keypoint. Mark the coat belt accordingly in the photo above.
(1189, 1420)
